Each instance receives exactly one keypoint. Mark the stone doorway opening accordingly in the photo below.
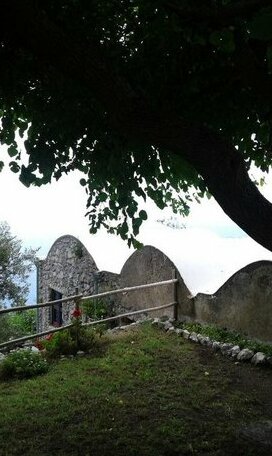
(56, 309)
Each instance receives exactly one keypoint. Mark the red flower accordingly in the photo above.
(49, 336)
(76, 313)
(39, 345)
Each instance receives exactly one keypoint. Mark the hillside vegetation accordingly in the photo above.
(141, 392)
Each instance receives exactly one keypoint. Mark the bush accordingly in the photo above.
(22, 363)
(96, 309)
(18, 324)
(24, 322)
(60, 343)
(69, 342)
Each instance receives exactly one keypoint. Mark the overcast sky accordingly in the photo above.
(207, 252)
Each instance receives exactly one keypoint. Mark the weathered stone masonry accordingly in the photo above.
(243, 303)
(69, 269)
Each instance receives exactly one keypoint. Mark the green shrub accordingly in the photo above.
(17, 324)
(22, 363)
(96, 309)
(61, 343)
(24, 322)
(70, 341)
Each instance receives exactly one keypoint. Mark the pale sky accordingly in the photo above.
(207, 252)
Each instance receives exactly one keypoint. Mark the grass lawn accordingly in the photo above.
(142, 392)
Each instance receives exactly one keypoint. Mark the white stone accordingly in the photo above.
(193, 337)
(204, 340)
(172, 329)
(178, 331)
(34, 349)
(216, 345)
(186, 334)
(235, 351)
(167, 325)
(245, 354)
(258, 358)
(80, 353)
(226, 348)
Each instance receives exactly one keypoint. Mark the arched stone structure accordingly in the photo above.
(151, 265)
(68, 269)
(243, 303)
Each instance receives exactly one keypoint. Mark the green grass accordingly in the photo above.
(225, 335)
(143, 392)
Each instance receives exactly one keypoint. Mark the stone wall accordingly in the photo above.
(243, 303)
(69, 269)
(149, 265)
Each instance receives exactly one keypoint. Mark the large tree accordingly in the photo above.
(165, 98)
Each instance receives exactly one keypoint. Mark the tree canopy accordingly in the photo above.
(166, 98)
(16, 264)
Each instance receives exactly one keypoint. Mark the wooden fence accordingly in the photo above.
(79, 298)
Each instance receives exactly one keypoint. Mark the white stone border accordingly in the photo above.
(232, 351)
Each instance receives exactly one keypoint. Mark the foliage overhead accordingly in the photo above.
(15, 266)
(167, 99)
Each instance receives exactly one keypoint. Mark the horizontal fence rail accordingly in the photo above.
(127, 314)
(128, 289)
(78, 299)
(91, 323)
(34, 336)
(42, 304)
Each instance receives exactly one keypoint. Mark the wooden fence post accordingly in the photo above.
(77, 308)
(175, 295)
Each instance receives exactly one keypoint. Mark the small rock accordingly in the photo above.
(171, 319)
(193, 337)
(155, 321)
(205, 340)
(226, 348)
(167, 325)
(35, 349)
(161, 324)
(80, 353)
(258, 358)
(172, 329)
(186, 334)
(235, 351)
(216, 345)
(178, 331)
(245, 354)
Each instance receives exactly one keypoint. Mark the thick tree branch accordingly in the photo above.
(217, 161)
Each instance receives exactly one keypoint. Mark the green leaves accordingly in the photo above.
(260, 28)
(12, 151)
(213, 72)
(223, 40)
